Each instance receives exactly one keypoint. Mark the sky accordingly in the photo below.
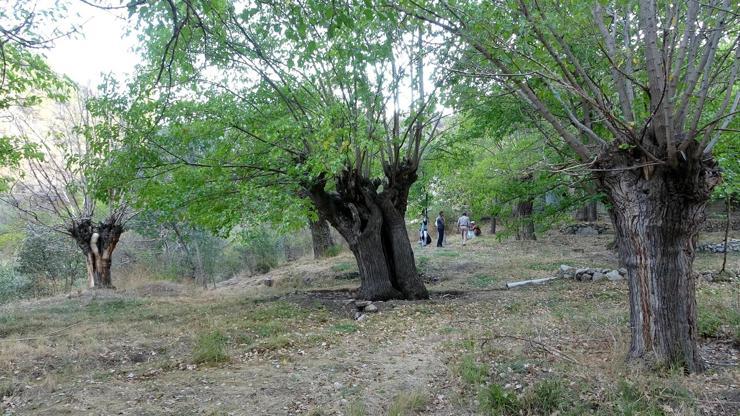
(101, 46)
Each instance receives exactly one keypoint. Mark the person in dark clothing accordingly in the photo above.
(424, 238)
(440, 223)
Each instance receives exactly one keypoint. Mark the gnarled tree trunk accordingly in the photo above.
(374, 227)
(657, 213)
(97, 242)
(523, 217)
(320, 237)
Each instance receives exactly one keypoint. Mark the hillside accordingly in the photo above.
(294, 347)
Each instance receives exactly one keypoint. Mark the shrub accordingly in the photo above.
(13, 285)
(50, 260)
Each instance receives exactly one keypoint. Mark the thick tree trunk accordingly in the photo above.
(375, 275)
(97, 242)
(523, 216)
(320, 237)
(373, 225)
(587, 212)
(657, 214)
(399, 254)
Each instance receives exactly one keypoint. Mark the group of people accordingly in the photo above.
(468, 229)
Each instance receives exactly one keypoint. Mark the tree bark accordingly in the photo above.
(523, 217)
(373, 225)
(493, 224)
(728, 213)
(97, 242)
(320, 237)
(657, 215)
(587, 212)
(399, 254)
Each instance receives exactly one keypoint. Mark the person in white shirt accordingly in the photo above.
(463, 225)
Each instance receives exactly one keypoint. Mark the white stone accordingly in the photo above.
(614, 276)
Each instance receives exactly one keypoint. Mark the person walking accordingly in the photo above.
(463, 225)
(424, 230)
(440, 223)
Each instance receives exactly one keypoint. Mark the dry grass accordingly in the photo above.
(472, 349)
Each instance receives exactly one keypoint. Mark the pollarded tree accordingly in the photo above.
(304, 98)
(57, 187)
(660, 78)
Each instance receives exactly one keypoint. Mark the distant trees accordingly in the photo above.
(25, 77)
(660, 83)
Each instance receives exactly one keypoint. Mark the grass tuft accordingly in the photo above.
(345, 327)
(494, 400)
(473, 372)
(408, 403)
(356, 408)
(210, 348)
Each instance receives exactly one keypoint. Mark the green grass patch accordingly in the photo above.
(278, 310)
(609, 296)
(422, 262)
(268, 329)
(274, 343)
(115, 309)
(344, 266)
(630, 400)
(494, 401)
(547, 266)
(547, 397)
(11, 240)
(445, 253)
(473, 372)
(345, 327)
(210, 348)
(334, 250)
(716, 321)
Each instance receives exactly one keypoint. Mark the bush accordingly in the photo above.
(50, 260)
(13, 285)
